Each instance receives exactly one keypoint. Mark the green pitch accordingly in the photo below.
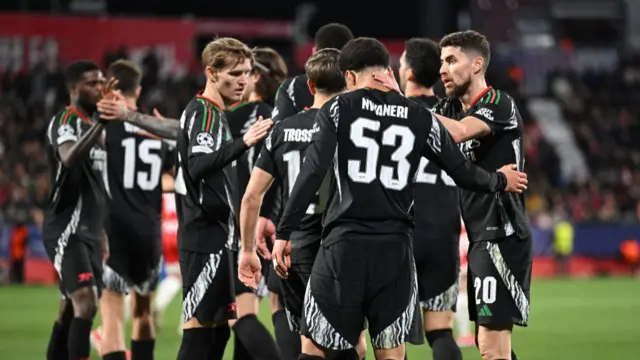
(570, 319)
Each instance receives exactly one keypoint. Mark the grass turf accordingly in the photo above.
(570, 319)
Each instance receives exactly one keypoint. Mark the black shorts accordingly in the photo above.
(360, 278)
(78, 263)
(295, 286)
(134, 262)
(499, 280)
(438, 270)
(241, 288)
(208, 286)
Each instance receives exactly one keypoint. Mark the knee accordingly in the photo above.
(141, 306)
(361, 347)
(85, 302)
(65, 314)
(490, 353)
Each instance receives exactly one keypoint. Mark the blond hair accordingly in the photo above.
(223, 52)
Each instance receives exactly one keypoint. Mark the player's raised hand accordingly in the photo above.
(109, 89)
(265, 229)
(257, 131)
(113, 107)
(249, 269)
(387, 78)
(516, 180)
(282, 257)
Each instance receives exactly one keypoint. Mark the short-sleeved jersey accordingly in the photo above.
(135, 166)
(493, 216)
(240, 118)
(78, 202)
(292, 97)
(282, 157)
(372, 141)
(437, 202)
(206, 184)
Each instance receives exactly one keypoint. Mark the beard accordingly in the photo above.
(87, 103)
(458, 91)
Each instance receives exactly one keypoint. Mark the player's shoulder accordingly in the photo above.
(304, 118)
(427, 101)
(496, 98)
(264, 109)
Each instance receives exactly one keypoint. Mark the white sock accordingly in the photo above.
(463, 325)
(166, 291)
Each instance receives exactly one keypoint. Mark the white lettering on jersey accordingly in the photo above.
(98, 158)
(487, 113)
(396, 111)
(130, 128)
(298, 135)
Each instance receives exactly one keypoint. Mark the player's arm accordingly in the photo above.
(445, 153)
(283, 107)
(490, 117)
(72, 149)
(316, 163)
(207, 154)
(261, 179)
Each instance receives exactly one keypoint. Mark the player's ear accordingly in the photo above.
(478, 64)
(314, 50)
(312, 88)
(138, 91)
(410, 75)
(350, 78)
(211, 74)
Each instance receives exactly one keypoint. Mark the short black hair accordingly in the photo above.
(76, 69)
(423, 57)
(332, 35)
(362, 53)
(128, 74)
(323, 70)
(469, 40)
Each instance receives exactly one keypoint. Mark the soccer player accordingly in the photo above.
(489, 127)
(436, 211)
(371, 141)
(269, 71)
(281, 159)
(205, 191)
(136, 164)
(73, 232)
(463, 325)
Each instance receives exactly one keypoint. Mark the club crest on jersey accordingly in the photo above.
(205, 139)
(65, 130)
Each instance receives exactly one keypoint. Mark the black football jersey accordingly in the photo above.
(437, 202)
(372, 142)
(240, 118)
(282, 157)
(78, 202)
(135, 165)
(292, 97)
(206, 191)
(493, 216)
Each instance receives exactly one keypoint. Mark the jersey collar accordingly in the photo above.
(483, 93)
(79, 114)
(200, 96)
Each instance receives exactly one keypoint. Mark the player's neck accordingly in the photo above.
(320, 99)
(475, 89)
(210, 92)
(76, 106)
(253, 97)
(414, 90)
(131, 103)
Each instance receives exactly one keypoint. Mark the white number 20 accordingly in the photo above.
(145, 180)
(428, 178)
(389, 138)
(485, 290)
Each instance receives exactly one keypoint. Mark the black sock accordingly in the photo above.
(288, 341)
(118, 355)
(256, 338)
(239, 351)
(513, 355)
(57, 349)
(221, 336)
(351, 354)
(78, 341)
(309, 357)
(142, 349)
(443, 345)
(195, 344)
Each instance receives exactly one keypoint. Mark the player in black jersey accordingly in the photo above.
(206, 199)
(371, 141)
(269, 71)
(73, 221)
(136, 164)
(436, 211)
(490, 131)
(280, 160)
